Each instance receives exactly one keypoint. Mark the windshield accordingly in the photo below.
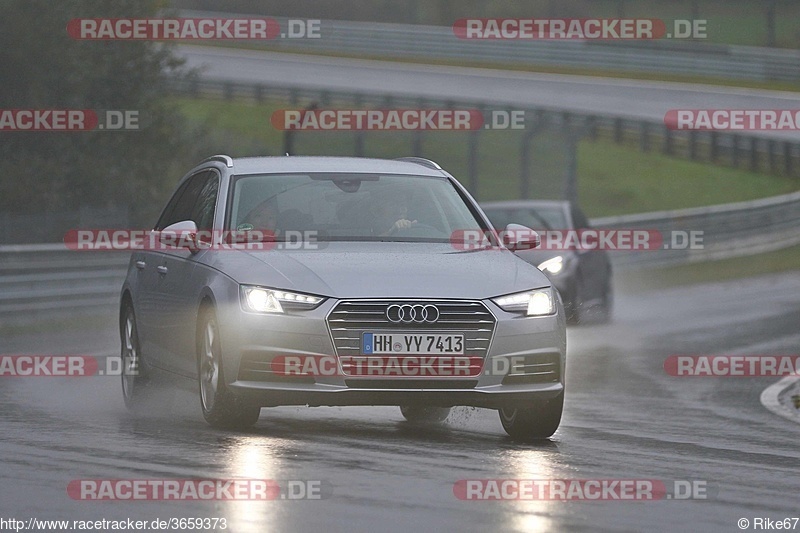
(350, 207)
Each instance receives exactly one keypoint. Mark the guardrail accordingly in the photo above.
(40, 281)
(728, 230)
(693, 58)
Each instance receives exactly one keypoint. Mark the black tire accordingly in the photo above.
(606, 308)
(221, 407)
(533, 423)
(419, 414)
(135, 378)
(574, 305)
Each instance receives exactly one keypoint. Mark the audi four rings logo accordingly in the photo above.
(408, 313)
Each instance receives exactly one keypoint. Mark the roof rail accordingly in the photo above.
(421, 161)
(221, 158)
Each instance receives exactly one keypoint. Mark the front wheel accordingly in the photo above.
(424, 415)
(221, 407)
(537, 422)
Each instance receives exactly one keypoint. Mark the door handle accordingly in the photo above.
(162, 269)
(140, 265)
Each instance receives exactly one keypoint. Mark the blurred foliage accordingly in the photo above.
(41, 67)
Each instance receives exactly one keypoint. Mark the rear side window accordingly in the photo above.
(194, 200)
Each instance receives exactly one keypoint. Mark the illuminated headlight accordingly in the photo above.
(553, 265)
(539, 302)
(261, 300)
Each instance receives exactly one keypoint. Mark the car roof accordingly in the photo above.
(265, 165)
(524, 204)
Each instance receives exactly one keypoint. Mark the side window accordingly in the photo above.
(169, 211)
(185, 204)
(203, 209)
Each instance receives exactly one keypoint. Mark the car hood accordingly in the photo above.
(384, 270)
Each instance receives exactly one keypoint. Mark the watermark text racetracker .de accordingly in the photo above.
(623, 239)
(47, 365)
(235, 489)
(56, 365)
(732, 365)
(400, 357)
(228, 240)
(397, 119)
(68, 120)
(579, 28)
(396, 366)
(182, 29)
(579, 489)
(733, 119)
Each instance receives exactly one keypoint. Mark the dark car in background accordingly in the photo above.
(583, 277)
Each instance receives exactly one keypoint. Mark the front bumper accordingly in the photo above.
(322, 395)
(250, 342)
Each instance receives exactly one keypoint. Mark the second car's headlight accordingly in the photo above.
(539, 302)
(554, 265)
(261, 300)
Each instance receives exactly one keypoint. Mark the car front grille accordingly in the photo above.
(351, 318)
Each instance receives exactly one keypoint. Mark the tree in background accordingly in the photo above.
(41, 67)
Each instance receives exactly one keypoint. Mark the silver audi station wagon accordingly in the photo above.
(333, 281)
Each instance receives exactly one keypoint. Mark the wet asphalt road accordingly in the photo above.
(624, 418)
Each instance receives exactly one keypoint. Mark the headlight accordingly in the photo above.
(539, 302)
(261, 300)
(554, 265)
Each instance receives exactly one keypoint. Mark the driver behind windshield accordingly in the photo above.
(389, 210)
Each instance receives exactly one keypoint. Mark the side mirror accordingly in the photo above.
(517, 238)
(181, 234)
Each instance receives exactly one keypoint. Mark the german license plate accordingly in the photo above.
(412, 343)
